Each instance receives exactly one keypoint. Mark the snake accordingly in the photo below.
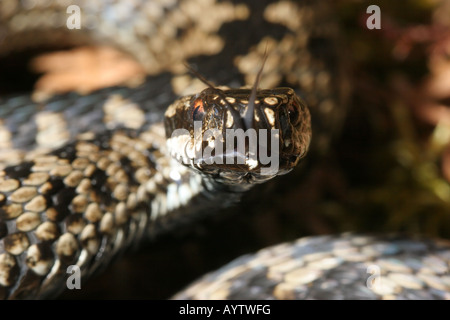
(86, 176)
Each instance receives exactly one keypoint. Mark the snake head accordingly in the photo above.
(228, 134)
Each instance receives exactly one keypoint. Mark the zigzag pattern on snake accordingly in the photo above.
(85, 176)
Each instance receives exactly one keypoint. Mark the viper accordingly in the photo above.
(87, 175)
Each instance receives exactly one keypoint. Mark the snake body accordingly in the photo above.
(86, 176)
(348, 266)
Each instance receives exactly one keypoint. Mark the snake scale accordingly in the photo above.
(86, 176)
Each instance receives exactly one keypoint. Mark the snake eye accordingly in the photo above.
(198, 111)
(294, 114)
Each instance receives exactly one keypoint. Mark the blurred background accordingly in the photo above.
(387, 171)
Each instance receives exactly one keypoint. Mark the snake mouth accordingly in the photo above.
(215, 132)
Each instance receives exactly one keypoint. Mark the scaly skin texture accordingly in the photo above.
(349, 266)
(109, 182)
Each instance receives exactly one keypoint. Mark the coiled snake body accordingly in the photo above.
(103, 174)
